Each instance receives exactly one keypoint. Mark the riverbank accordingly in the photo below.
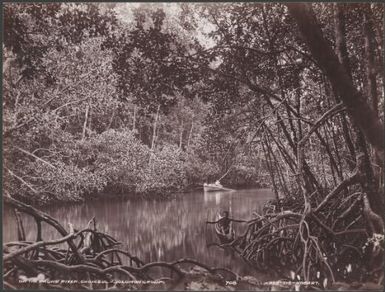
(114, 162)
(118, 192)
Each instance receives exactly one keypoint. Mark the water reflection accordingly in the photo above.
(216, 196)
(157, 230)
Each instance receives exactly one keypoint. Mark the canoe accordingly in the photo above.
(222, 236)
(214, 188)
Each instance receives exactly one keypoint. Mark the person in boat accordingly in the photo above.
(218, 183)
(223, 223)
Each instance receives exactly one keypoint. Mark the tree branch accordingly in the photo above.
(36, 157)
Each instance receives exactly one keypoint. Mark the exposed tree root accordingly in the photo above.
(337, 239)
(91, 261)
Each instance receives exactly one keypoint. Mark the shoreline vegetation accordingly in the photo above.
(162, 187)
(117, 162)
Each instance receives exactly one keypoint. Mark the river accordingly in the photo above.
(157, 230)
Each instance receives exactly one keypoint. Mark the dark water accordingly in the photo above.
(153, 230)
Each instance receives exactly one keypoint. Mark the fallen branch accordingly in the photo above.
(22, 181)
(39, 244)
(34, 156)
(40, 216)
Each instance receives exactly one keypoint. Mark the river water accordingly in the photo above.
(157, 230)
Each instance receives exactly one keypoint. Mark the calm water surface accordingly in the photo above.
(153, 230)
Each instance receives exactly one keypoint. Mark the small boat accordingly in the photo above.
(224, 236)
(214, 187)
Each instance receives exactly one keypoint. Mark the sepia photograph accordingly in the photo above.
(193, 146)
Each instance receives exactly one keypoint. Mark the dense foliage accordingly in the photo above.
(151, 99)
(236, 97)
(98, 105)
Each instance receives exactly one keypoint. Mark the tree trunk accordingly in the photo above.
(371, 70)
(190, 134)
(134, 119)
(181, 136)
(341, 49)
(85, 122)
(343, 57)
(361, 113)
(154, 128)
(269, 168)
(278, 169)
(371, 78)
